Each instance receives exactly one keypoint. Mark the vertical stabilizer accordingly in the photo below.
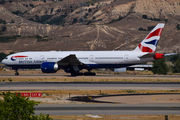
(149, 44)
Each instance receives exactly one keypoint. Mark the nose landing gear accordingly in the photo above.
(16, 72)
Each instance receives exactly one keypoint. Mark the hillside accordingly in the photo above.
(89, 25)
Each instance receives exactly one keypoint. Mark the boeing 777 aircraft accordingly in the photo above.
(74, 61)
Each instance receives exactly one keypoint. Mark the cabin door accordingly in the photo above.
(126, 58)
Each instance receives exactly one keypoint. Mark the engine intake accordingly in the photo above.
(49, 67)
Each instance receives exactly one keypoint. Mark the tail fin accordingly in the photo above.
(149, 44)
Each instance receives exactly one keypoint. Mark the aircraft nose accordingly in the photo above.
(3, 61)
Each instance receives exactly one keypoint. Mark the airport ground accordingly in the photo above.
(102, 76)
(102, 91)
(116, 117)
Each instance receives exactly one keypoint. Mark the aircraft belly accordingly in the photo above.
(93, 66)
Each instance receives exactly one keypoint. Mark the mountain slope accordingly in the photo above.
(103, 25)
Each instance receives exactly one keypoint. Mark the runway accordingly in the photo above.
(98, 76)
(111, 109)
(89, 86)
(102, 108)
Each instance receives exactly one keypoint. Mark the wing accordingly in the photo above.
(70, 60)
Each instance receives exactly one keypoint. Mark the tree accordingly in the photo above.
(144, 16)
(150, 28)
(2, 21)
(3, 28)
(176, 67)
(89, 10)
(142, 29)
(94, 17)
(32, 5)
(2, 1)
(81, 20)
(17, 12)
(160, 67)
(74, 21)
(166, 20)
(58, 20)
(15, 107)
(2, 56)
(174, 58)
(12, 21)
(177, 26)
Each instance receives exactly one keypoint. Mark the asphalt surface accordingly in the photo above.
(89, 86)
(98, 75)
(112, 109)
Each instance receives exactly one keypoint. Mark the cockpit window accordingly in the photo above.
(6, 58)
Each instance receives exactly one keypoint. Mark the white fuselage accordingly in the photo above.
(94, 59)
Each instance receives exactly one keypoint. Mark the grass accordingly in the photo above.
(96, 92)
(57, 77)
(77, 79)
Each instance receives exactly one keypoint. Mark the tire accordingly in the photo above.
(89, 74)
(80, 74)
(93, 74)
(16, 74)
(73, 74)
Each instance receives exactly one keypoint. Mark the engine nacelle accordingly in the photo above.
(49, 67)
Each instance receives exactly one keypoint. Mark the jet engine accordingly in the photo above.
(49, 67)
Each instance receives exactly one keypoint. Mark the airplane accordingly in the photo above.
(74, 61)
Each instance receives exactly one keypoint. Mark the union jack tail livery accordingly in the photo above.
(149, 44)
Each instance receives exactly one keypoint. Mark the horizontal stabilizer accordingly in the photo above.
(156, 55)
(170, 54)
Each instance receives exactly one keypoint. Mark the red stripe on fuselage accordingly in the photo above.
(20, 56)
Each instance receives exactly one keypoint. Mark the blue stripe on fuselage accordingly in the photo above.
(25, 66)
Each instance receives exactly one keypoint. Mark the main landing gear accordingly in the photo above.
(16, 72)
(89, 73)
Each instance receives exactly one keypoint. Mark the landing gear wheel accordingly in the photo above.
(80, 74)
(93, 74)
(89, 74)
(77, 74)
(74, 74)
(16, 74)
